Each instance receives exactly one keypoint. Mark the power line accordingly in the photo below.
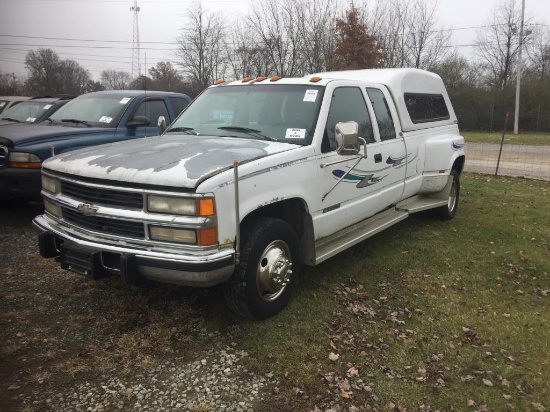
(82, 40)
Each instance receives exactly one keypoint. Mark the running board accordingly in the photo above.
(419, 203)
(331, 245)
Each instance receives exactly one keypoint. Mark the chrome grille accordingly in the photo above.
(3, 156)
(104, 225)
(100, 196)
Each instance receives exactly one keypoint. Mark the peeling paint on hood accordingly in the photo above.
(181, 161)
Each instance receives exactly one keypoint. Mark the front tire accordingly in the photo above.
(269, 266)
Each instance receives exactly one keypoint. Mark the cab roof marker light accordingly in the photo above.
(219, 81)
(260, 78)
(315, 79)
(247, 79)
(275, 78)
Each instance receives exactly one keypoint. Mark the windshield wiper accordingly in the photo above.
(77, 121)
(50, 120)
(11, 119)
(249, 131)
(187, 130)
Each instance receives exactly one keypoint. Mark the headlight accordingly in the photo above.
(181, 206)
(24, 160)
(167, 234)
(52, 208)
(49, 184)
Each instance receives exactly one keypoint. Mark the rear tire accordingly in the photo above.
(269, 266)
(448, 211)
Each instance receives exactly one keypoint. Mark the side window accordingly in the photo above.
(438, 107)
(178, 104)
(426, 107)
(152, 109)
(347, 105)
(382, 113)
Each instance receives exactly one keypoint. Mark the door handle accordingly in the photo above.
(377, 157)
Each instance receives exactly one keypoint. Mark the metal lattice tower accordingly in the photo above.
(136, 65)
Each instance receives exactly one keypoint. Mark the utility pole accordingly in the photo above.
(136, 66)
(518, 80)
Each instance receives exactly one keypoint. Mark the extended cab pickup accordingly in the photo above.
(90, 119)
(254, 179)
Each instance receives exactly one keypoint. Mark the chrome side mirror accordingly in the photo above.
(348, 142)
(161, 125)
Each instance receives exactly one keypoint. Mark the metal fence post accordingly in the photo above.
(502, 141)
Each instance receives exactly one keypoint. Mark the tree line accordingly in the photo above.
(297, 37)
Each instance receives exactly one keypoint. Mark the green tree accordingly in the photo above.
(166, 78)
(94, 86)
(50, 75)
(75, 78)
(141, 83)
(43, 66)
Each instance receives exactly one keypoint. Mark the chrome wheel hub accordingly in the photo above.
(274, 270)
(451, 203)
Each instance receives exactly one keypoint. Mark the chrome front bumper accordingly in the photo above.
(96, 260)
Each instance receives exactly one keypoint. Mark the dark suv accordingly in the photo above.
(33, 110)
(87, 120)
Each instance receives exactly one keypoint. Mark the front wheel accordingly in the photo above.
(267, 273)
(448, 211)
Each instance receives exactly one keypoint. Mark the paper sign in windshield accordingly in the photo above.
(222, 115)
(295, 134)
(311, 95)
(47, 106)
(125, 100)
(2, 104)
(30, 119)
(105, 119)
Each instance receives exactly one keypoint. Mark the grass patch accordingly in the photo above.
(537, 139)
(427, 315)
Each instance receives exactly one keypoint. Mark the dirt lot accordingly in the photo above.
(68, 343)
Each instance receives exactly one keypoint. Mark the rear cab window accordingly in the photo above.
(423, 107)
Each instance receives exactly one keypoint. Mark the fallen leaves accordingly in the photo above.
(333, 356)
(469, 336)
(352, 372)
(487, 382)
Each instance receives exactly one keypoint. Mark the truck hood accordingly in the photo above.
(16, 134)
(180, 161)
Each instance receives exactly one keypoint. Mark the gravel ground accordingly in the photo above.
(69, 344)
(217, 382)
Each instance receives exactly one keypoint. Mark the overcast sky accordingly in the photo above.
(99, 33)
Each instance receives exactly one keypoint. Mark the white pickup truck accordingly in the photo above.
(256, 178)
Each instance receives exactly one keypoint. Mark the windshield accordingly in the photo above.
(26, 111)
(93, 109)
(281, 112)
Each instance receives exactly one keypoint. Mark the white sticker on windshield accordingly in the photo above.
(125, 100)
(311, 95)
(295, 134)
(2, 104)
(47, 106)
(30, 119)
(105, 119)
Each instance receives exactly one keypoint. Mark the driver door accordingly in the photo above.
(352, 189)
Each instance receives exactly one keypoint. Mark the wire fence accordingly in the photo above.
(508, 160)
(535, 120)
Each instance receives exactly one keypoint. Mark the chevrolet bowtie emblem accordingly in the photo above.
(86, 209)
